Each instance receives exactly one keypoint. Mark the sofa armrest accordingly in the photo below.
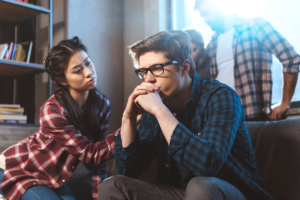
(277, 152)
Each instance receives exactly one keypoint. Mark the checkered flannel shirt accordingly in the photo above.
(50, 156)
(213, 141)
(254, 42)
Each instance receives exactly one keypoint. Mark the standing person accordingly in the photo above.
(200, 57)
(241, 56)
(194, 127)
(73, 124)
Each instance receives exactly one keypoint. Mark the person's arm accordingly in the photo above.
(275, 43)
(135, 158)
(205, 152)
(290, 82)
(134, 150)
(71, 140)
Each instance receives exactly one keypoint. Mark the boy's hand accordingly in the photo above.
(132, 110)
(150, 102)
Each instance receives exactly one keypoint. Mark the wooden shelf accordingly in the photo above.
(19, 124)
(15, 12)
(16, 68)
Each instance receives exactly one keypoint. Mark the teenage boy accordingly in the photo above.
(194, 127)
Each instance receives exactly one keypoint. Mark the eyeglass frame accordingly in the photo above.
(149, 68)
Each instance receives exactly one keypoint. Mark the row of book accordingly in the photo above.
(17, 52)
(25, 1)
(12, 113)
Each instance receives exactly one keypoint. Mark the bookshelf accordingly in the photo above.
(13, 14)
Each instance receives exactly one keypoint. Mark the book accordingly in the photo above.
(29, 52)
(10, 105)
(13, 117)
(13, 121)
(3, 50)
(9, 52)
(12, 109)
(18, 52)
(14, 52)
(10, 113)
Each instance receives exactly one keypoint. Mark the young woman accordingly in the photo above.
(73, 123)
(200, 57)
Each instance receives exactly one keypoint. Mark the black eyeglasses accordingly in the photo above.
(156, 69)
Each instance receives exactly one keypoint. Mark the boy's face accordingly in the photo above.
(170, 82)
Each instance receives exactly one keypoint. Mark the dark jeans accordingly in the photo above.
(199, 188)
(40, 192)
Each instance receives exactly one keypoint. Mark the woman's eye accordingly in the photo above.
(87, 63)
(78, 71)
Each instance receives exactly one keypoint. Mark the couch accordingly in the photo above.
(277, 150)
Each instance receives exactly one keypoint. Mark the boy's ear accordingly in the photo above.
(186, 67)
(62, 81)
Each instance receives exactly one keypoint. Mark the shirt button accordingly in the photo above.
(73, 167)
(34, 183)
(63, 180)
(167, 165)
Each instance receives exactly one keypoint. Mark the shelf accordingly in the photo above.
(19, 124)
(15, 12)
(16, 68)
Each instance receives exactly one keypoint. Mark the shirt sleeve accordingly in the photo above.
(135, 159)
(71, 140)
(204, 153)
(275, 43)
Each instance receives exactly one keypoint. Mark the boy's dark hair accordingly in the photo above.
(175, 44)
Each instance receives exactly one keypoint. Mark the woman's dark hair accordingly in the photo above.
(56, 62)
(175, 44)
(196, 37)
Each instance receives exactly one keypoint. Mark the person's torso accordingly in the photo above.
(252, 68)
(238, 169)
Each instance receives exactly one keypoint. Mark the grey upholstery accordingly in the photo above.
(277, 152)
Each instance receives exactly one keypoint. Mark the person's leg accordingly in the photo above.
(40, 192)
(122, 187)
(211, 188)
(1, 177)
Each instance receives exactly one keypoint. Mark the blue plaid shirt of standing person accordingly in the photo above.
(254, 42)
(211, 141)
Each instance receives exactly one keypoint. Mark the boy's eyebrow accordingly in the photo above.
(80, 63)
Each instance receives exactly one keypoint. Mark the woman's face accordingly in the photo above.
(80, 75)
(196, 52)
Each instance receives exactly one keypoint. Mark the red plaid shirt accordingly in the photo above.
(50, 156)
(254, 42)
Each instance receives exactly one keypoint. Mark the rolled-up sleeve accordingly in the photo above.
(275, 43)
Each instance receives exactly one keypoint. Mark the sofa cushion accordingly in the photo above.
(277, 151)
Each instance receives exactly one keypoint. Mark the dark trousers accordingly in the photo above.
(199, 188)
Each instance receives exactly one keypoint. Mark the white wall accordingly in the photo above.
(100, 26)
(142, 18)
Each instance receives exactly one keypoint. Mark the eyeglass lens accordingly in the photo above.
(156, 70)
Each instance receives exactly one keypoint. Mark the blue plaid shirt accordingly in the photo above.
(212, 141)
